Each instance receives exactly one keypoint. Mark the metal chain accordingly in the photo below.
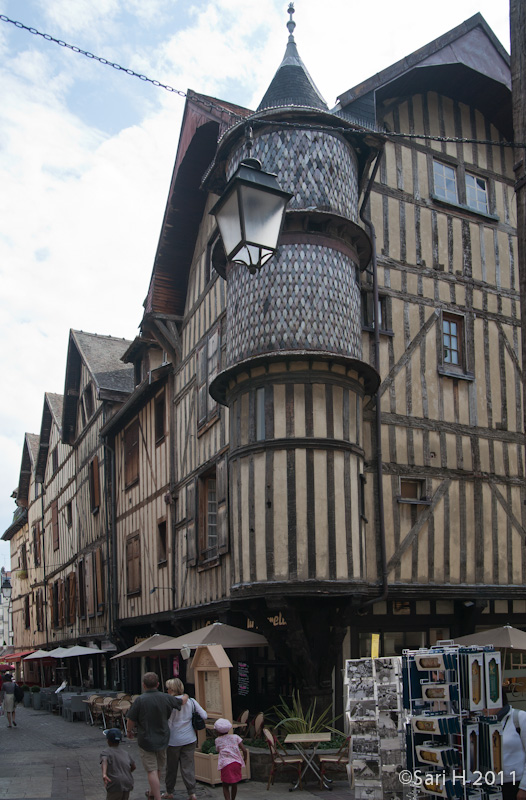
(211, 105)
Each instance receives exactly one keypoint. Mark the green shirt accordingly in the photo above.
(151, 711)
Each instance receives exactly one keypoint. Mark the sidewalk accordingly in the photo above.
(47, 757)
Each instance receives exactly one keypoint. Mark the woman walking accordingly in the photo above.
(8, 697)
(182, 742)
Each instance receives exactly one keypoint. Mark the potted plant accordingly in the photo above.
(27, 695)
(37, 700)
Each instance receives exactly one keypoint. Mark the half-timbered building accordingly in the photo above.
(348, 447)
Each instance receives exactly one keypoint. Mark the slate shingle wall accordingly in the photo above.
(306, 298)
(319, 168)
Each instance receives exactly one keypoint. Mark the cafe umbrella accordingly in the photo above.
(218, 633)
(504, 638)
(148, 647)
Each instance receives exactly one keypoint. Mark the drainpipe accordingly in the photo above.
(110, 551)
(379, 475)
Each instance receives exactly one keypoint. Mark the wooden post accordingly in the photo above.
(518, 78)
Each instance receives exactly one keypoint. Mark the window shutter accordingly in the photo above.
(213, 366)
(90, 599)
(100, 582)
(222, 505)
(72, 597)
(131, 452)
(94, 484)
(39, 543)
(61, 603)
(54, 524)
(201, 370)
(191, 532)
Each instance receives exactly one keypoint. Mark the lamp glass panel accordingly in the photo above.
(229, 223)
(263, 213)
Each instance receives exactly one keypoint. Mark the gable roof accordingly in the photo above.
(27, 465)
(468, 64)
(51, 413)
(204, 119)
(101, 355)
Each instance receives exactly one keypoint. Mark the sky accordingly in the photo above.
(87, 152)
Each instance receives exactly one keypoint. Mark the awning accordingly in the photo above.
(14, 657)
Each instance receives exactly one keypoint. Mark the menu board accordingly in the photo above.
(242, 679)
(212, 683)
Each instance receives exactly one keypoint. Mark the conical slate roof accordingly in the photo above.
(292, 85)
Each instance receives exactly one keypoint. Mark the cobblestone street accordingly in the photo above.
(46, 756)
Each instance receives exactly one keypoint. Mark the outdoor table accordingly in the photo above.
(306, 744)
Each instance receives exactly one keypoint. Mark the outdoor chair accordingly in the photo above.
(257, 725)
(74, 706)
(96, 709)
(280, 761)
(106, 709)
(243, 722)
(336, 761)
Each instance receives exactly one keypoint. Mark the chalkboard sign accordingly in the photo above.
(242, 679)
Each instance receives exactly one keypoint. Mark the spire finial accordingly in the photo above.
(291, 24)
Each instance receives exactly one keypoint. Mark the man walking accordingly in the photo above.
(151, 711)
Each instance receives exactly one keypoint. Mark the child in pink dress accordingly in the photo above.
(232, 756)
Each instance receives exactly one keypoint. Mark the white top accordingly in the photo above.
(514, 748)
(180, 723)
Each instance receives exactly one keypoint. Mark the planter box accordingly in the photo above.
(27, 699)
(37, 701)
(206, 769)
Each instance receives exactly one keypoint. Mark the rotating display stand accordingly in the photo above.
(454, 741)
(374, 721)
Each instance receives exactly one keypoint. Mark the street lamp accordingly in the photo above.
(250, 214)
(6, 588)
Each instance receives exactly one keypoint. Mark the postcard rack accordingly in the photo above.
(374, 721)
(454, 745)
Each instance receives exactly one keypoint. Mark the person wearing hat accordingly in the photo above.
(117, 767)
(232, 756)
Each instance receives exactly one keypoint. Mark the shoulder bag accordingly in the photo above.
(198, 722)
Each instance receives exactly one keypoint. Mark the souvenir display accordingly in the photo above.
(450, 744)
(373, 703)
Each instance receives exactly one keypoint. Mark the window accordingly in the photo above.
(133, 565)
(160, 412)
(27, 615)
(94, 484)
(207, 519)
(412, 490)
(384, 315)
(131, 453)
(260, 414)
(69, 514)
(161, 542)
(445, 179)
(207, 367)
(451, 340)
(477, 193)
(54, 524)
(452, 346)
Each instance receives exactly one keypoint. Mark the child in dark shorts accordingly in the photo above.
(232, 756)
(117, 767)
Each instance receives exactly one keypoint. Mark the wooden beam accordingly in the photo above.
(419, 524)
